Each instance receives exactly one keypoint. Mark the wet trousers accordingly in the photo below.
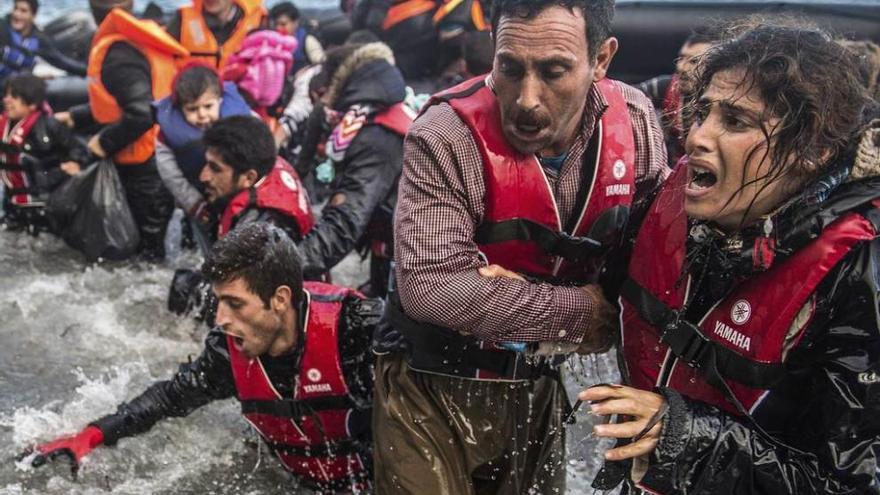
(151, 205)
(440, 435)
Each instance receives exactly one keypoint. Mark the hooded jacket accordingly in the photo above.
(368, 159)
(816, 430)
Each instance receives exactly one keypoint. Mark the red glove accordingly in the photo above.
(74, 448)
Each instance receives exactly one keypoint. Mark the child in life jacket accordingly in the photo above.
(37, 153)
(198, 99)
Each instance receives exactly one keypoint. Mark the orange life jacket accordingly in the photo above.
(200, 41)
(403, 10)
(160, 50)
(462, 12)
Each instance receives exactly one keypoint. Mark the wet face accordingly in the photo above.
(22, 17)
(204, 111)
(216, 7)
(220, 180)
(729, 156)
(257, 329)
(285, 25)
(16, 108)
(542, 73)
(686, 62)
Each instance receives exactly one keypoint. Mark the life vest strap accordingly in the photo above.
(291, 408)
(329, 448)
(434, 349)
(688, 343)
(573, 248)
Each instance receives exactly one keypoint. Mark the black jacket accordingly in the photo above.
(49, 144)
(126, 75)
(367, 176)
(209, 378)
(822, 422)
(46, 50)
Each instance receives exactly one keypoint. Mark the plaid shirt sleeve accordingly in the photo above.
(440, 204)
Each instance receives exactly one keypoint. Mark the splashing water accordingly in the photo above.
(77, 340)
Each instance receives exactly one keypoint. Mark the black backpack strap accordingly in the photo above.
(329, 448)
(289, 408)
(574, 249)
(687, 343)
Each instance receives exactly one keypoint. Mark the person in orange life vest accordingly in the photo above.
(212, 30)
(749, 313)
(295, 355)
(131, 63)
(362, 118)
(531, 170)
(37, 153)
(667, 91)
(198, 100)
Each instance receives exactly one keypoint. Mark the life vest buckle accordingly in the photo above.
(686, 342)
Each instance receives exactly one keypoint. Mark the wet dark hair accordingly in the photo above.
(284, 8)
(243, 142)
(33, 4)
(262, 255)
(597, 13)
(194, 81)
(804, 78)
(30, 88)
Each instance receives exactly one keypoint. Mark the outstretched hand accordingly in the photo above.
(75, 448)
(642, 410)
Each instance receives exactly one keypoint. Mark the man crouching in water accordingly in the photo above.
(294, 354)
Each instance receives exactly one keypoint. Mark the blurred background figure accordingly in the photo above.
(22, 43)
(666, 91)
(285, 18)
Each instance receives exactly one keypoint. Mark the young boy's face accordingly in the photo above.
(16, 108)
(204, 111)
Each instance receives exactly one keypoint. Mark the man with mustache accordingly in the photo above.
(515, 187)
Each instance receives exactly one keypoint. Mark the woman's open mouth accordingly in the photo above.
(700, 179)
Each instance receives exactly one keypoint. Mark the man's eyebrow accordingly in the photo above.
(507, 56)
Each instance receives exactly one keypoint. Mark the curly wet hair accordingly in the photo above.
(262, 255)
(598, 15)
(805, 78)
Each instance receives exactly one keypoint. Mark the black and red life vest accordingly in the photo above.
(309, 433)
(280, 190)
(18, 184)
(738, 348)
(521, 228)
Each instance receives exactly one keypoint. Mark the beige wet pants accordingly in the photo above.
(439, 435)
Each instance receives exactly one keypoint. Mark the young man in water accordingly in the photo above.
(294, 354)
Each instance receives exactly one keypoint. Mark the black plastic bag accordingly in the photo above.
(92, 215)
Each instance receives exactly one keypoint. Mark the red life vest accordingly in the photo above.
(309, 433)
(15, 179)
(280, 190)
(745, 335)
(521, 229)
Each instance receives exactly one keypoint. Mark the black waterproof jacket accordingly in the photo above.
(209, 378)
(822, 422)
(48, 145)
(364, 191)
